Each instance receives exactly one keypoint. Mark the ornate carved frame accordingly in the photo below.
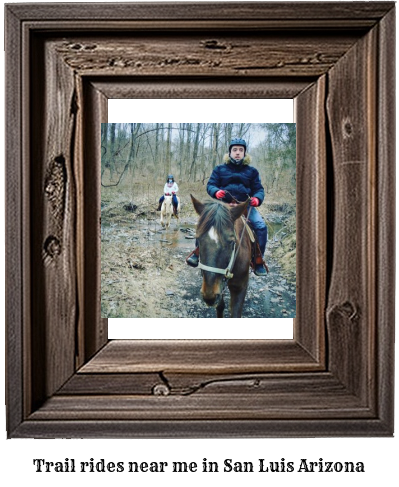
(64, 378)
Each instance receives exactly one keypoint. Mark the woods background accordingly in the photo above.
(190, 151)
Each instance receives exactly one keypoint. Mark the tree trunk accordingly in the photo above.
(168, 159)
(104, 149)
(182, 132)
(130, 161)
(110, 159)
(215, 144)
(195, 151)
(228, 131)
(187, 151)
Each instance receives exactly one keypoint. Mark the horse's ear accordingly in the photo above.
(198, 206)
(237, 211)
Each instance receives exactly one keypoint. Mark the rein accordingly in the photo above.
(242, 234)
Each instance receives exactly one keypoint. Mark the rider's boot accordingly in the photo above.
(260, 268)
(193, 259)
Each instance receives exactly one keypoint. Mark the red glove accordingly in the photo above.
(173, 192)
(254, 202)
(220, 194)
(167, 194)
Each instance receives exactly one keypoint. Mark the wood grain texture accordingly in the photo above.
(385, 231)
(191, 428)
(185, 384)
(311, 218)
(207, 407)
(53, 196)
(65, 61)
(94, 329)
(278, 11)
(200, 356)
(265, 396)
(112, 384)
(177, 87)
(15, 258)
(351, 307)
(203, 55)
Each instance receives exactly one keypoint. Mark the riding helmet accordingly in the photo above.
(238, 141)
(170, 176)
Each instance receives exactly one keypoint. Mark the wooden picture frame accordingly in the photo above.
(64, 378)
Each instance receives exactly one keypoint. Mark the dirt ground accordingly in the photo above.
(143, 269)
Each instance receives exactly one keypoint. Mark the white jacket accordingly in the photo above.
(170, 188)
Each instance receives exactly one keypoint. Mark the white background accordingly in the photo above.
(380, 455)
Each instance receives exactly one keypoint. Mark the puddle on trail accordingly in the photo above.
(182, 235)
(177, 237)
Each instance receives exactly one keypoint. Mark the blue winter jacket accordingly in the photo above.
(240, 181)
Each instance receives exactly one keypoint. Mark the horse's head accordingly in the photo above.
(216, 238)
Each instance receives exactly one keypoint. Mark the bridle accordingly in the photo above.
(217, 270)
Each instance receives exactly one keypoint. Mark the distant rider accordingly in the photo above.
(170, 189)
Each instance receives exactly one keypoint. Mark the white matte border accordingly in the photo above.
(200, 111)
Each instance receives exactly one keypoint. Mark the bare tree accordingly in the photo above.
(215, 143)
(228, 129)
(104, 151)
(110, 159)
(195, 151)
(182, 134)
(134, 130)
(168, 160)
(188, 149)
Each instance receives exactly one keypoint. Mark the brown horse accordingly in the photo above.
(224, 254)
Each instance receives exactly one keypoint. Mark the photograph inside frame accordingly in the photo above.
(198, 220)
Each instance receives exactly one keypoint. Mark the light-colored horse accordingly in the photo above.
(167, 211)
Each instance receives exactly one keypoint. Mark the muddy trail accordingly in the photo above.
(144, 274)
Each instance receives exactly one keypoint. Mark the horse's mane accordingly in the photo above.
(215, 214)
